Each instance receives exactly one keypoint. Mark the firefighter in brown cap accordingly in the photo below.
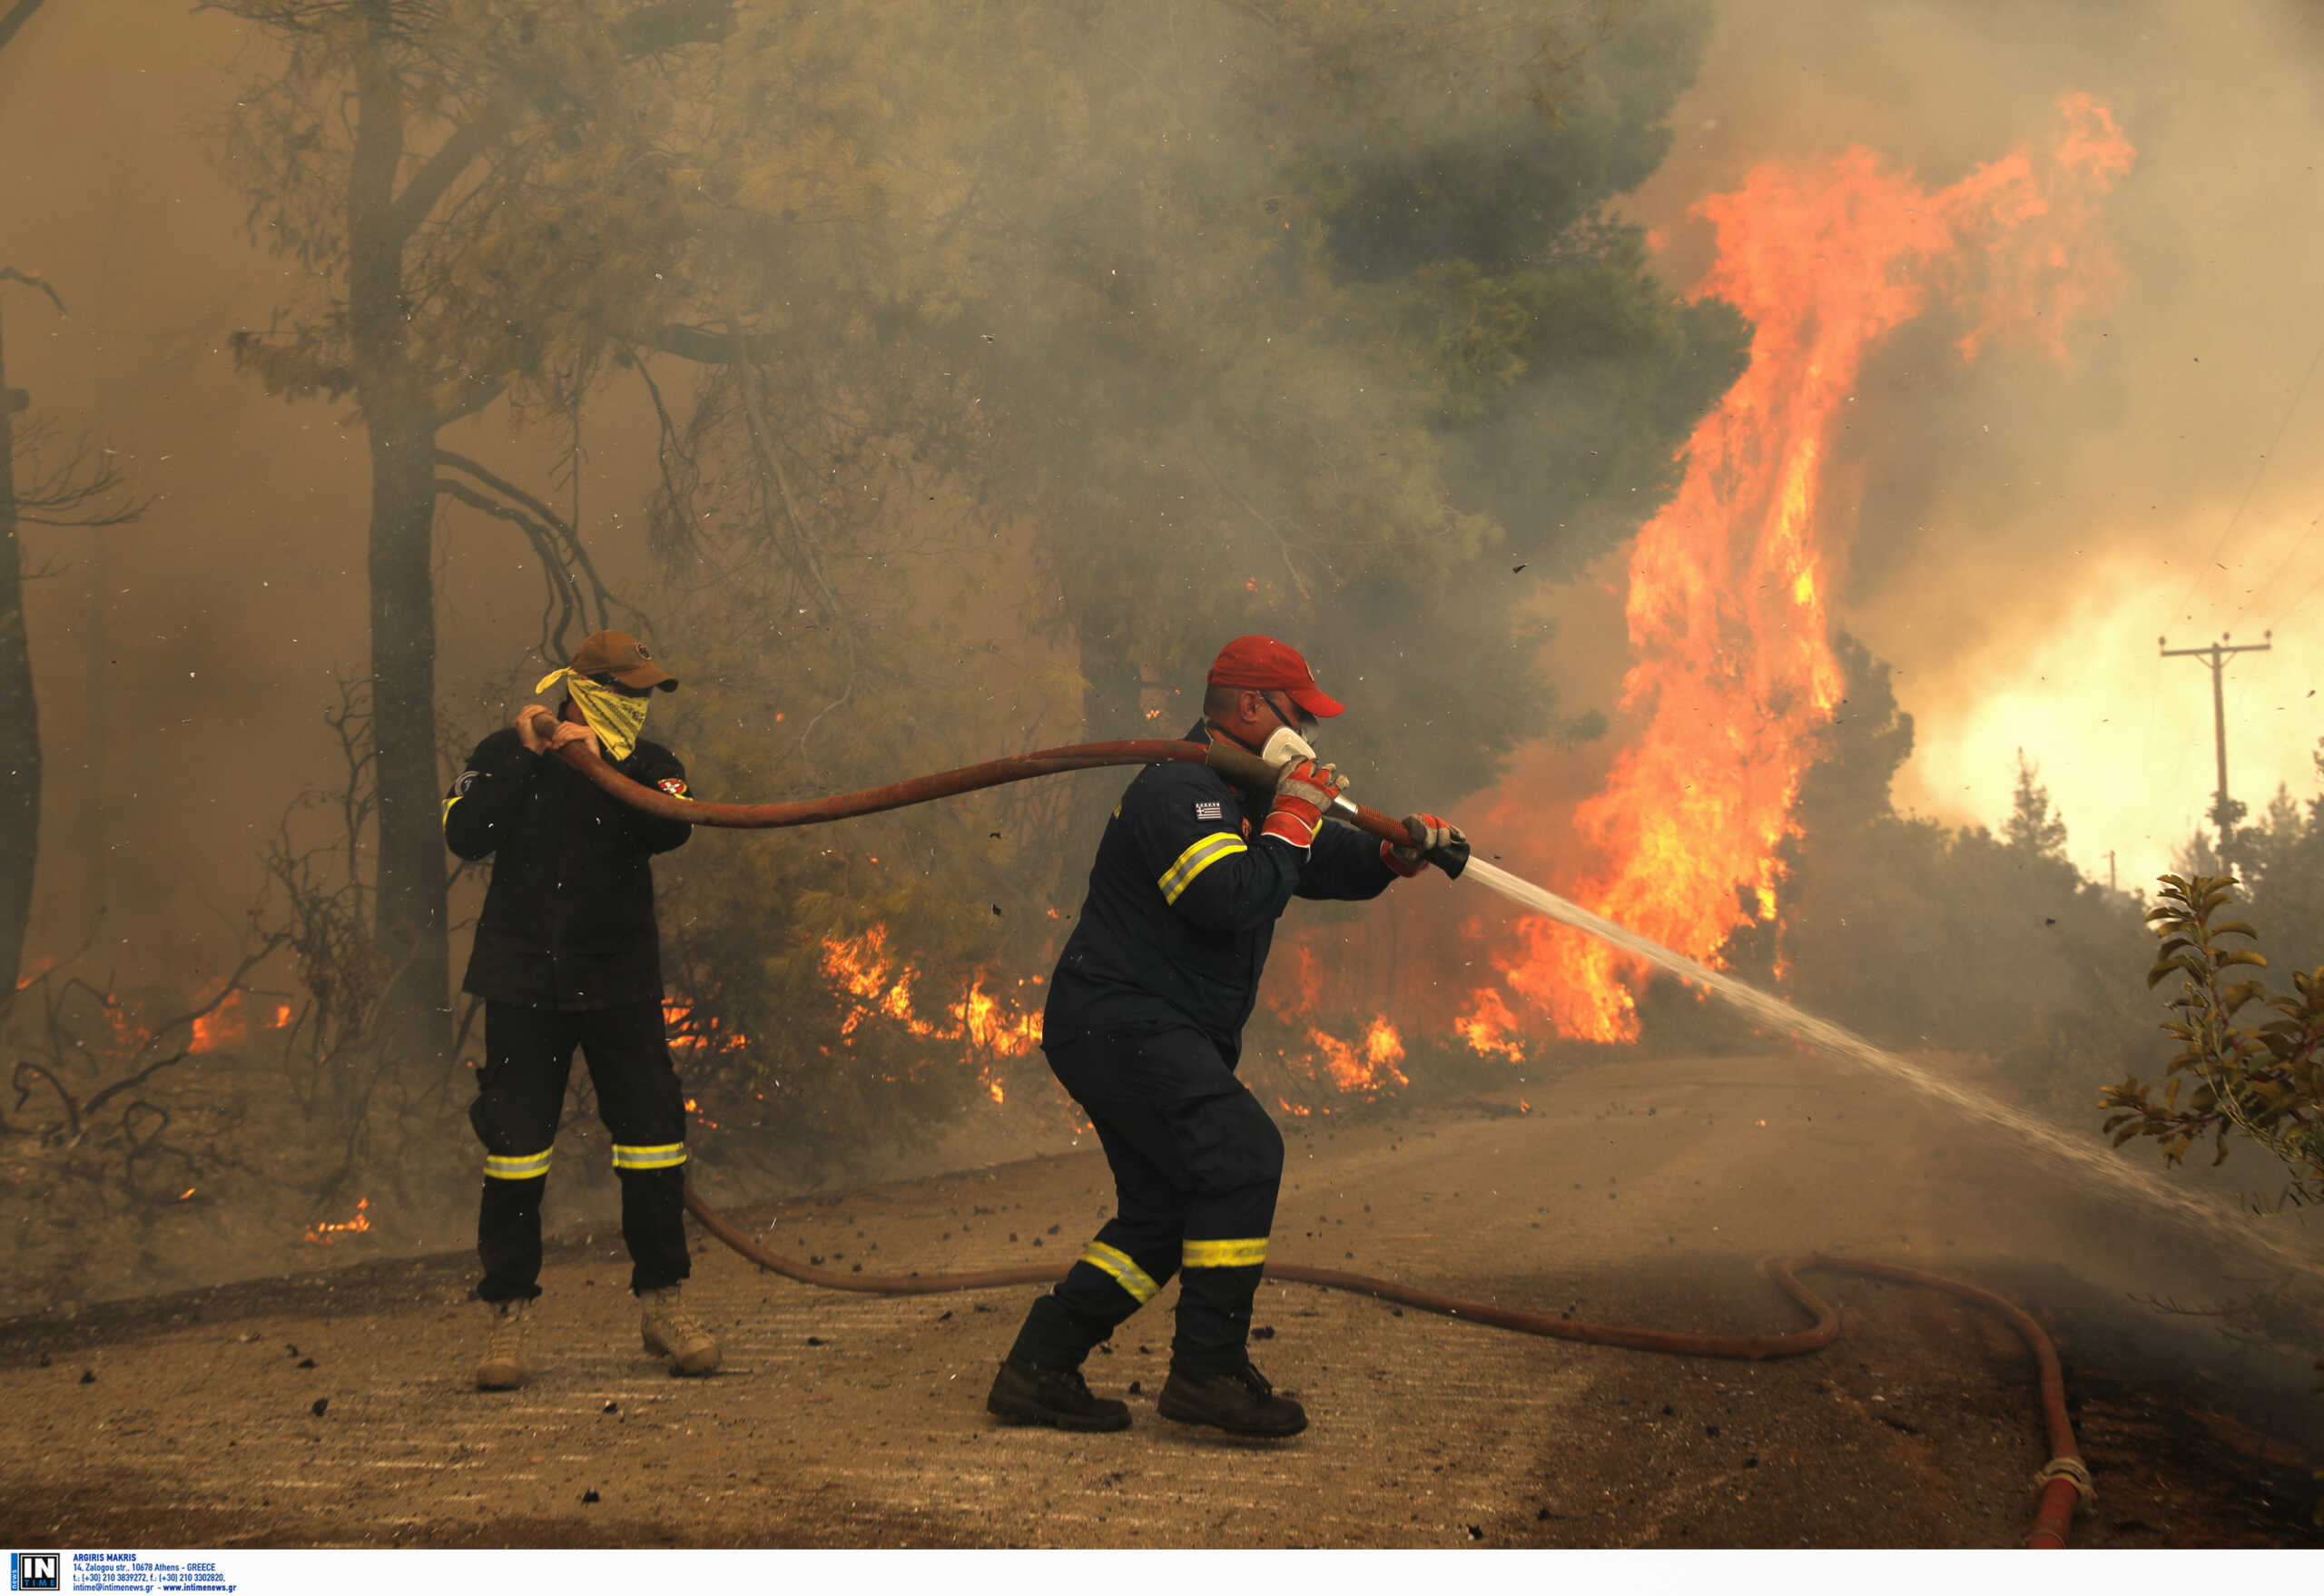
(1144, 1027)
(568, 955)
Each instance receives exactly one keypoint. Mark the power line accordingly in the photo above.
(2260, 470)
(2301, 545)
(2304, 594)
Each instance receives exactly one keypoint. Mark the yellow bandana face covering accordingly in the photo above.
(615, 717)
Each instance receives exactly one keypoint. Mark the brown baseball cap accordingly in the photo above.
(628, 660)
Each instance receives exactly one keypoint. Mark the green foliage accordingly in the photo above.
(525, 196)
(1016, 321)
(2279, 862)
(2265, 1081)
(2032, 827)
(1006, 358)
(1113, 232)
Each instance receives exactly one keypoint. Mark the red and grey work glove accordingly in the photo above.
(1442, 843)
(1302, 793)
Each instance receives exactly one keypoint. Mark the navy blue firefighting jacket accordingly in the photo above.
(1182, 905)
(568, 919)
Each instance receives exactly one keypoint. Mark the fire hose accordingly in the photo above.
(2062, 1482)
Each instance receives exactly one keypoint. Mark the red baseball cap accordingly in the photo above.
(1263, 662)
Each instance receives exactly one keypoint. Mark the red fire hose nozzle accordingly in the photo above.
(1243, 769)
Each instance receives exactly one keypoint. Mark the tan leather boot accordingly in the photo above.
(504, 1367)
(670, 1328)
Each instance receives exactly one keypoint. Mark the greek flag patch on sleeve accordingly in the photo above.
(1210, 810)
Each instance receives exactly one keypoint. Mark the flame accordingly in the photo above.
(692, 1031)
(1729, 586)
(1362, 1069)
(1490, 1028)
(38, 967)
(222, 1027)
(282, 1015)
(994, 1028)
(879, 987)
(323, 1233)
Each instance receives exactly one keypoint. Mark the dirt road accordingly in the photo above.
(338, 1411)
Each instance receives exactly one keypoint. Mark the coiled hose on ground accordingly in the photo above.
(2063, 1482)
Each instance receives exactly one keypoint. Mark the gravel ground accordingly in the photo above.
(337, 1410)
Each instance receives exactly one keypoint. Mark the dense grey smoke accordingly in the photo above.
(2028, 527)
(1444, 381)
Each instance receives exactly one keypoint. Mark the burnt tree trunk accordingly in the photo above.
(19, 710)
(400, 418)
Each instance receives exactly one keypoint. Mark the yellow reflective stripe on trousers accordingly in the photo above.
(529, 1167)
(667, 1156)
(1198, 857)
(1123, 1269)
(1225, 1255)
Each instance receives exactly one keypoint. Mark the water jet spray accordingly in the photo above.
(2062, 1482)
(1258, 773)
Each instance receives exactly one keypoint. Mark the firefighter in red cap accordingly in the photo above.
(568, 955)
(1144, 1027)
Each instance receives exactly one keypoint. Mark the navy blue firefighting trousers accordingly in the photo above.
(520, 1097)
(1196, 1164)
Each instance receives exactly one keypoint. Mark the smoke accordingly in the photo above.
(2028, 527)
(2024, 527)
(184, 661)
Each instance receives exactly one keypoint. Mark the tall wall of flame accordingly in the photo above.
(1730, 587)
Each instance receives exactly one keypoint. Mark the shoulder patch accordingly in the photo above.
(673, 785)
(1210, 809)
(467, 780)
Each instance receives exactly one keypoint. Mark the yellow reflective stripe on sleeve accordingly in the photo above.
(1123, 1269)
(667, 1156)
(1226, 1255)
(529, 1166)
(1199, 856)
(455, 798)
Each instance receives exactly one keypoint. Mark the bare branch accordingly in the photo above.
(232, 986)
(455, 155)
(576, 552)
(10, 274)
(565, 595)
(480, 393)
(18, 15)
(648, 32)
(27, 1072)
(62, 495)
(705, 348)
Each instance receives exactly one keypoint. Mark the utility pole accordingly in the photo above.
(2225, 810)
